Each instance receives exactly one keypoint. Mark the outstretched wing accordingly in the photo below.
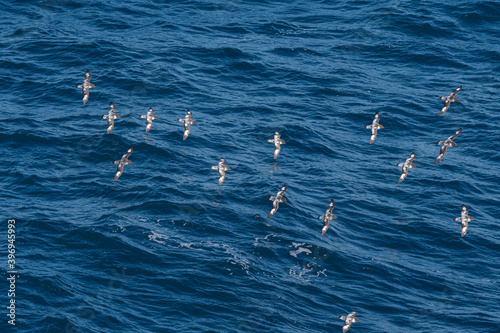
(457, 133)
(465, 227)
(445, 107)
(326, 224)
(439, 158)
(331, 204)
(456, 91)
(128, 153)
(403, 176)
(373, 136)
(119, 172)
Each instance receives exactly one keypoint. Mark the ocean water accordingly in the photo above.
(166, 249)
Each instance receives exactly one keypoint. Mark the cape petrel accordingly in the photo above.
(222, 168)
(327, 217)
(465, 219)
(111, 116)
(348, 320)
(187, 123)
(448, 99)
(445, 144)
(149, 119)
(374, 127)
(406, 165)
(122, 162)
(86, 85)
(276, 200)
(277, 143)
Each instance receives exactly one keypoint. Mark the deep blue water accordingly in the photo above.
(166, 249)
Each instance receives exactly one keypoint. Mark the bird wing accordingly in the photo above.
(456, 91)
(128, 153)
(445, 106)
(457, 133)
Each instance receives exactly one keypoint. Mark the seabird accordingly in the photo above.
(149, 118)
(187, 123)
(351, 318)
(327, 217)
(277, 199)
(277, 143)
(465, 219)
(447, 143)
(111, 116)
(374, 127)
(86, 85)
(222, 168)
(406, 165)
(448, 99)
(122, 162)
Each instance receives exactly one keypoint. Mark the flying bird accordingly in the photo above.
(448, 99)
(122, 162)
(327, 217)
(348, 320)
(374, 127)
(222, 168)
(111, 116)
(464, 219)
(187, 123)
(86, 85)
(277, 143)
(149, 119)
(276, 200)
(447, 143)
(406, 165)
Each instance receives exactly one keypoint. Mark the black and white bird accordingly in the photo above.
(149, 118)
(222, 168)
(406, 165)
(111, 116)
(464, 219)
(448, 99)
(122, 162)
(187, 123)
(374, 127)
(348, 320)
(447, 143)
(277, 143)
(276, 200)
(86, 85)
(327, 217)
